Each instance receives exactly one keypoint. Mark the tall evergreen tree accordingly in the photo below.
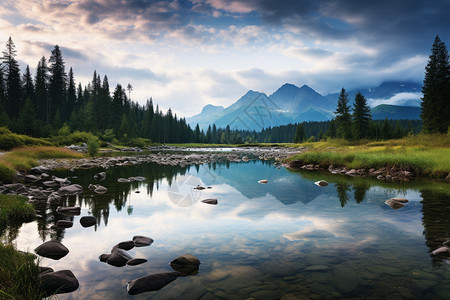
(58, 84)
(361, 116)
(41, 91)
(13, 102)
(343, 116)
(435, 106)
(27, 84)
(71, 94)
(299, 134)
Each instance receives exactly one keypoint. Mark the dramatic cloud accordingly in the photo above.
(187, 53)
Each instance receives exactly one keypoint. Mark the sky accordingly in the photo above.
(185, 54)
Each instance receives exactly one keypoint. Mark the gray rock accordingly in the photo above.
(321, 183)
(152, 282)
(394, 203)
(104, 257)
(100, 176)
(31, 178)
(210, 201)
(71, 210)
(42, 270)
(441, 250)
(100, 189)
(38, 195)
(127, 245)
(123, 180)
(142, 241)
(64, 223)
(50, 183)
(186, 264)
(88, 221)
(52, 249)
(72, 189)
(59, 282)
(139, 178)
(136, 261)
(39, 170)
(118, 258)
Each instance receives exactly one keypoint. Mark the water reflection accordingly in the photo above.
(288, 237)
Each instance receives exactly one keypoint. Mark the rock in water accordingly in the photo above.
(127, 245)
(52, 249)
(59, 282)
(441, 250)
(71, 210)
(123, 180)
(100, 176)
(142, 241)
(395, 204)
(100, 189)
(88, 221)
(118, 258)
(136, 261)
(104, 257)
(150, 283)
(72, 189)
(186, 264)
(64, 223)
(321, 183)
(263, 181)
(210, 201)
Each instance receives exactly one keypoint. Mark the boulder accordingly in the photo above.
(100, 176)
(64, 223)
(118, 258)
(39, 170)
(142, 241)
(88, 221)
(72, 189)
(186, 264)
(61, 181)
(104, 257)
(263, 181)
(321, 183)
(59, 282)
(52, 249)
(127, 245)
(152, 282)
(441, 250)
(100, 189)
(210, 201)
(42, 270)
(38, 195)
(139, 178)
(394, 203)
(136, 261)
(50, 183)
(31, 178)
(70, 210)
(123, 180)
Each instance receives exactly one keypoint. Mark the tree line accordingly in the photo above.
(50, 102)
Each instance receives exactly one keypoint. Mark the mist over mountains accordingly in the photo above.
(292, 104)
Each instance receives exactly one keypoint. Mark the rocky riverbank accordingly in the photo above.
(175, 156)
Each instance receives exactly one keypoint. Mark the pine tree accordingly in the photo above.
(71, 94)
(27, 84)
(14, 101)
(58, 83)
(41, 91)
(435, 106)
(361, 116)
(343, 116)
(299, 134)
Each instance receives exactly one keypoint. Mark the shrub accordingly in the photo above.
(93, 145)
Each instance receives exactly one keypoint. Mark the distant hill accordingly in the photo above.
(395, 112)
(291, 104)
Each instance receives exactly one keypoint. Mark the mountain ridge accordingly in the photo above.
(291, 104)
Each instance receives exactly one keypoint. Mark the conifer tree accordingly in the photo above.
(299, 134)
(71, 93)
(435, 105)
(58, 83)
(13, 102)
(361, 116)
(41, 91)
(343, 116)
(27, 84)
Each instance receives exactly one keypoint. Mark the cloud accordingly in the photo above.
(398, 99)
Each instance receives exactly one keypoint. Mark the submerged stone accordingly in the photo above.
(52, 249)
(72, 189)
(59, 282)
(321, 183)
(136, 261)
(71, 210)
(210, 201)
(142, 241)
(100, 176)
(118, 258)
(150, 283)
(88, 221)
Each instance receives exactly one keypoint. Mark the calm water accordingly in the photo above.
(288, 238)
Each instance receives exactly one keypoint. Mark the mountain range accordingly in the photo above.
(291, 104)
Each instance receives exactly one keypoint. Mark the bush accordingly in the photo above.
(9, 140)
(93, 145)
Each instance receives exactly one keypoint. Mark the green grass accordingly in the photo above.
(24, 158)
(18, 275)
(9, 140)
(425, 155)
(16, 209)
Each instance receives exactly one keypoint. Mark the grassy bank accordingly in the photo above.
(425, 155)
(24, 158)
(16, 209)
(18, 275)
